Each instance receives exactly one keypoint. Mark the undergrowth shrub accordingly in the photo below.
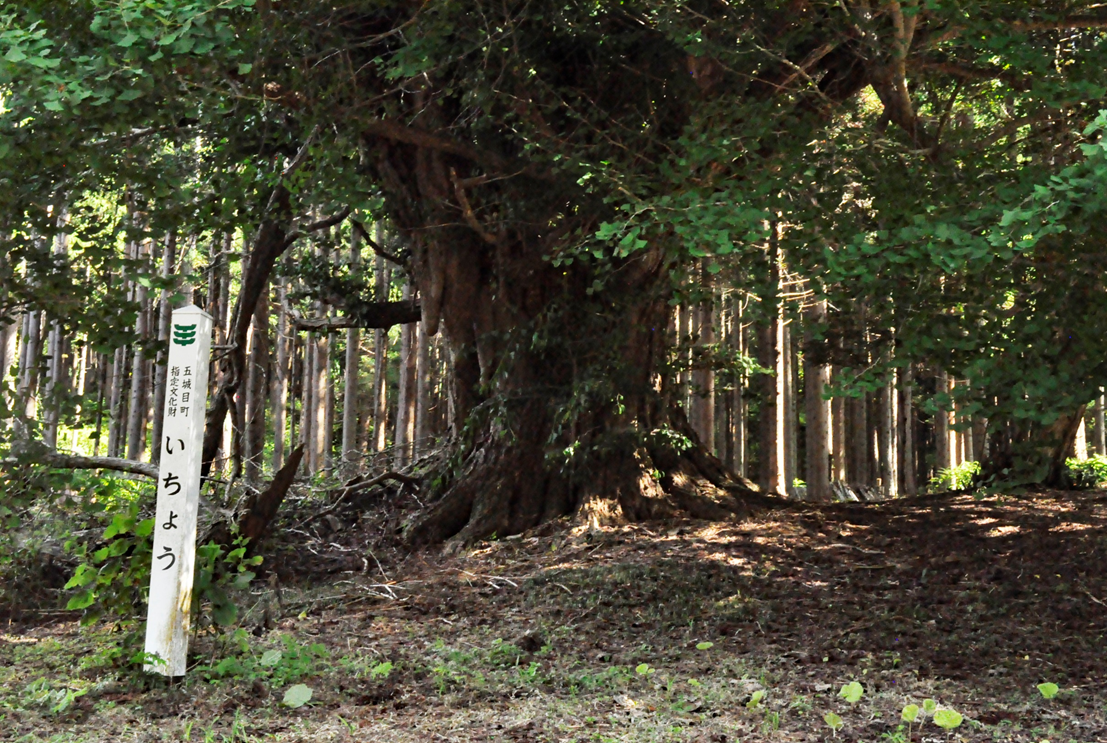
(955, 478)
(1081, 474)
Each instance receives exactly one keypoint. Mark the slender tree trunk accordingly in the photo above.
(889, 444)
(9, 343)
(136, 410)
(55, 353)
(857, 465)
(116, 423)
(980, 438)
(727, 324)
(405, 411)
(257, 399)
(702, 413)
(790, 424)
(328, 403)
(907, 430)
(421, 438)
(380, 363)
(685, 331)
(281, 372)
(28, 378)
(103, 376)
(165, 313)
(773, 405)
(220, 283)
(350, 383)
(309, 405)
(1080, 444)
(943, 456)
(817, 411)
(1100, 433)
(838, 444)
(741, 431)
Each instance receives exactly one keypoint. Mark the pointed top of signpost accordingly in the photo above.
(191, 310)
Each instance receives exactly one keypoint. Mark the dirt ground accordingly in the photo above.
(678, 632)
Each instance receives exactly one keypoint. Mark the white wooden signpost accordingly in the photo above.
(178, 492)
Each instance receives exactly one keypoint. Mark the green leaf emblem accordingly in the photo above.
(184, 335)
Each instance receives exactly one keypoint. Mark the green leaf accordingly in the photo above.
(643, 669)
(910, 713)
(833, 720)
(44, 63)
(244, 68)
(15, 54)
(270, 658)
(127, 41)
(929, 705)
(297, 696)
(53, 105)
(852, 692)
(704, 645)
(224, 613)
(129, 95)
(755, 699)
(1048, 690)
(84, 575)
(947, 718)
(120, 524)
(82, 600)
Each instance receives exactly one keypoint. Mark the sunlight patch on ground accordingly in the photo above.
(1073, 526)
(16, 640)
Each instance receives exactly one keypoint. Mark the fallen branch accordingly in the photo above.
(354, 487)
(76, 462)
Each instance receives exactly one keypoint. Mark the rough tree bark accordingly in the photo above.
(490, 293)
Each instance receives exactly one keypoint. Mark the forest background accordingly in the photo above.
(624, 261)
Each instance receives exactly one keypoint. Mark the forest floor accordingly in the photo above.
(684, 632)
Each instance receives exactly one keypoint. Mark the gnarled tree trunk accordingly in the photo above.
(550, 421)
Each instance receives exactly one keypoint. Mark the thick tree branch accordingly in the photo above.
(370, 316)
(972, 72)
(1076, 21)
(422, 138)
(467, 212)
(317, 225)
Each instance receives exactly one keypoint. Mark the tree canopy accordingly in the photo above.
(559, 171)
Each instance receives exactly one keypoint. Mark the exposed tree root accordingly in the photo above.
(505, 490)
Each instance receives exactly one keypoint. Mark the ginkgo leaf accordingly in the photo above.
(852, 692)
(297, 696)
